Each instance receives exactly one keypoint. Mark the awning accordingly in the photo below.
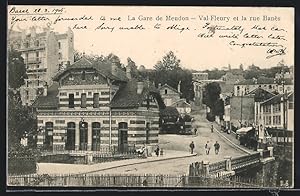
(244, 130)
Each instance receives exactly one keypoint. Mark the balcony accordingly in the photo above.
(36, 60)
(36, 70)
(30, 48)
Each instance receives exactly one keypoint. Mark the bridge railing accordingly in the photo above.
(225, 167)
(242, 161)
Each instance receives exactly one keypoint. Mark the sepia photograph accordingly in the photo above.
(150, 97)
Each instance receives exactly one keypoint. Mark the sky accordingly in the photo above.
(146, 47)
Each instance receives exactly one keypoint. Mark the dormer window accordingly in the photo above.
(83, 75)
(71, 78)
(96, 77)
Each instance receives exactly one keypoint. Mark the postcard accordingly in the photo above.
(150, 96)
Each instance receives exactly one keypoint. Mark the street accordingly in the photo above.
(175, 142)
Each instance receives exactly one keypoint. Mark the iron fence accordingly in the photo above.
(147, 180)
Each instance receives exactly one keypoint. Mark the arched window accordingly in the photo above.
(70, 142)
(48, 142)
(96, 136)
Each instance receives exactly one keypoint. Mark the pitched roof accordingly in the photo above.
(260, 94)
(261, 80)
(127, 97)
(102, 67)
(277, 99)
(168, 86)
(50, 101)
(181, 103)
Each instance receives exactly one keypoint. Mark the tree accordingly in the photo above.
(21, 120)
(16, 70)
(211, 98)
(112, 58)
(169, 62)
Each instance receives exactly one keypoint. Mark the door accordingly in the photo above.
(123, 137)
(96, 136)
(83, 135)
(48, 143)
(70, 142)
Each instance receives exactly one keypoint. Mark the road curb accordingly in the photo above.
(235, 145)
(129, 164)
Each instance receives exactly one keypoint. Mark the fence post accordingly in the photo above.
(270, 148)
(206, 168)
(260, 152)
(89, 158)
(228, 163)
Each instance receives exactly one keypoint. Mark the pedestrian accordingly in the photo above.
(212, 128)
(195, 130)
(207, 147)
(157, 150)
(192, 146)
(217, 147)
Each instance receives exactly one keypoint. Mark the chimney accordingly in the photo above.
(178, 87)
(45, 90)
(114, 67)
(140, 86)
(128, 72)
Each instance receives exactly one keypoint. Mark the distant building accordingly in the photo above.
(243, 87)
(169, 94)
(242, 110)
(200, 76)
(44, 54)
(93, 105)
(182, 107)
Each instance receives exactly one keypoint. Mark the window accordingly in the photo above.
(276, 107)
(89, 93)
(59, 56)
(71, 78)
(37, 43)
(166, 91)
(267, 109)
(26, 44)
(276, 120)
(291, 105)
(71, 100)
(96, 77)
(83, 132)
(147, 132)
(96, 100)
(83, 75)
(70, 142)
(83, 100)
(270, 86)
(268, 120)
(59, 45)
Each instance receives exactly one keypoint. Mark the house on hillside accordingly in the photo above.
(93, 105)
(169, 94)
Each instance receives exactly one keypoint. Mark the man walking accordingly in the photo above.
(192, 146)
(217, 147)
(207, 147)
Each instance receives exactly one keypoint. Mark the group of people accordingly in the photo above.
(207, 147)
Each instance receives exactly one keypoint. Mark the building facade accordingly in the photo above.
(278, 112)
(93, 105)
(169, 94)
(182, 107)
(44, 54)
